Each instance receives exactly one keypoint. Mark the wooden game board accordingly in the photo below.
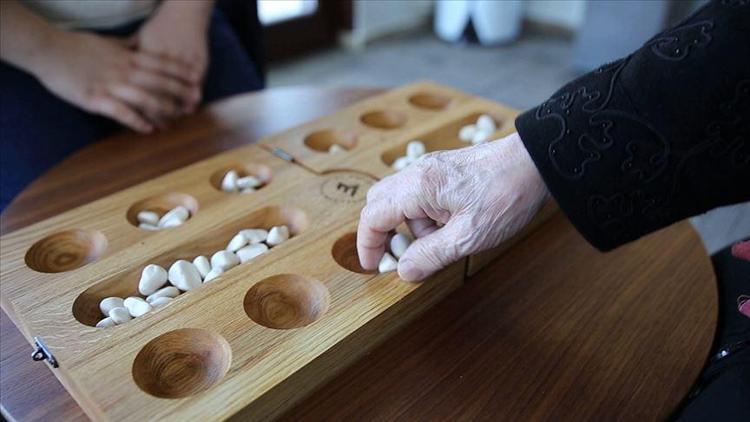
(264, 334)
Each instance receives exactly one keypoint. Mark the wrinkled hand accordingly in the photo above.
(178, 32)
(103, 76)
(456, 203)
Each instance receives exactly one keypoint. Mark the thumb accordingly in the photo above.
(430, 253)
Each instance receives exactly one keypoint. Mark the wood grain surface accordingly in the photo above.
(553, 329)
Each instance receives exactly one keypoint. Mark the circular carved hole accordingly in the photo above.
(181, 363)
(161, 204)
(383, 119)
(261, 171)
(345, 253)
(66, 251)
(323, 139)
(430, 101)
(286, 301)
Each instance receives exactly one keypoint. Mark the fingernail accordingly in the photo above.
(408, 271)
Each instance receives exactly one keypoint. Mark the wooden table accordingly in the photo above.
(553, 329)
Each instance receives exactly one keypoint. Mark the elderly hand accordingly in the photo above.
(456, 203)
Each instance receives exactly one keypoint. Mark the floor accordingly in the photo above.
(520, 75)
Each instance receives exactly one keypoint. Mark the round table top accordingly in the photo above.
(552, 329)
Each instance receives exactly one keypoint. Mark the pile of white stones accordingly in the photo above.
(397, 246)
(150, 220)
(480, 132)
(232, 182)
(184, 275)
(414, 150)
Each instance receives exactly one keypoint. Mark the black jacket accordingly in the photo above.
(655, 137)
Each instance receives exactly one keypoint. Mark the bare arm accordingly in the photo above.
(99, 74)
(24, 36)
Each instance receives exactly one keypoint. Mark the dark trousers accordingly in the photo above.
(722, 392)
(38, 130)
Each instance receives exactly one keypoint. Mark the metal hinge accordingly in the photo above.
(283, 154)
(43, 353)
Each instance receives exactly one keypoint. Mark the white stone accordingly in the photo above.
(137, 306)
(149, 227)
(254, 236)
(120, 315)
(277, 235)
(215, 272)
(160, 301)
(202, 264)
(467, 133)
(184, 275)
(152, 278)
(485, 123)
(399, 243)
(335, 149)
(179, 213)
(148, 217)
(169, 291)
(229, 182)
(106, 323)
(387, 263)
(480, 137)
(238, 242)
(172, 222)
(401, 163)
(415, 149)
(248, 182)
(109, 303)
(248, 190)
(249, 252)
(224, 260)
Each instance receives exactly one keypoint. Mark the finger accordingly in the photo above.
(157, 82)
(153, 105)
(430, 253)
(121, 112)
(375, 221)
(168, 67)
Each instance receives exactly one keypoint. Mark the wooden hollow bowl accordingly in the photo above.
(182, 363)
(286, 301)
(384, 119)
(261, 171)
(430, 101)
(344, 252)
(322, 140)
(161, 204)
(65, 251)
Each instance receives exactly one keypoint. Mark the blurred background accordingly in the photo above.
(514, 52)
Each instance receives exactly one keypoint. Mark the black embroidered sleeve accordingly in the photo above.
(655, 137)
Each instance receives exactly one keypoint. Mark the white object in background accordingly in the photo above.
(495, 22)
(451, 19)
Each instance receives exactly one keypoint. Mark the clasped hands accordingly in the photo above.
(143, 81)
